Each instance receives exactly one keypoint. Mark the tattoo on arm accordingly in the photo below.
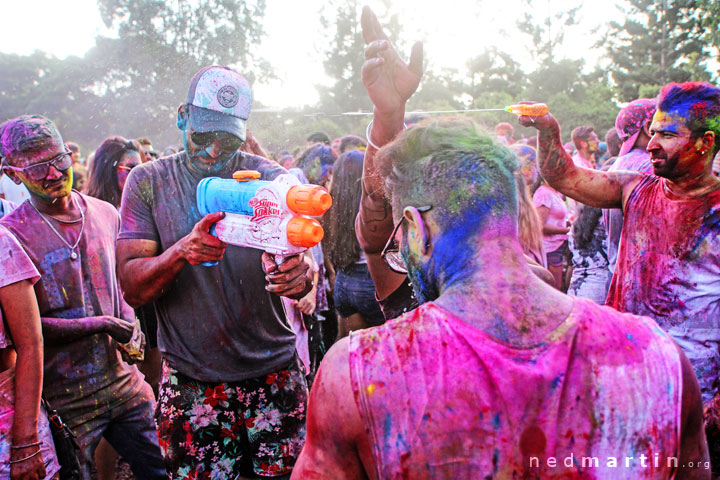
(553, 160)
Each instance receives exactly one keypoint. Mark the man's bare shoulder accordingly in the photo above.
(336, 445)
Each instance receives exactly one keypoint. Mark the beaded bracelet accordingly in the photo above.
(367, 134)
(26, 458)
(20, 447)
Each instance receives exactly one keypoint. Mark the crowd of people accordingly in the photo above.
(480, 306)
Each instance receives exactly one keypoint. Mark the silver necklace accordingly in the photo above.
(73, 254)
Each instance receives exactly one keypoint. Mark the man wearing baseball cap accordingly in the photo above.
(633, 127)
(232, 396)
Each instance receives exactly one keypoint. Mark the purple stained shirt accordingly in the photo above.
(86, 377)
(215, 324)
(15, 266)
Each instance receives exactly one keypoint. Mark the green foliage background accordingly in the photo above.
(133, 84)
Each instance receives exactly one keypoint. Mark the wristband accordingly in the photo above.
(367, 134)
(20, 447)
(26, 458)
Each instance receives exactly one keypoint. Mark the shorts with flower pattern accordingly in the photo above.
(222, 430)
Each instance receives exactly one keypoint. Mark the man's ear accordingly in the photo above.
(418, 232)
(182, 117)
(646, 128)
(708, 141)
(12, 174)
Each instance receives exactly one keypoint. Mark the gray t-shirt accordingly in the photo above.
(215, 324)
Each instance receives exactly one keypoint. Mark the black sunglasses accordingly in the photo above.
(228, 142)
(391, 253)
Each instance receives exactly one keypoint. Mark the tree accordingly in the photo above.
(548, 33)
(143, 75)
(343, 61)
(494, 71)
(552, 74)
(658, 42)
(345, 56)
(709, 13)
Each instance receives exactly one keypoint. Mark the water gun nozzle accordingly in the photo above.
(309, 200)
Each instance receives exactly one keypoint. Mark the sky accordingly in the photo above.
(450, 35)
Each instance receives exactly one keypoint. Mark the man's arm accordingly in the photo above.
(23, 321)
(693, 444)
(59, 331)
(145, 274)
(592, 187)
(389, 82)
(334, 429)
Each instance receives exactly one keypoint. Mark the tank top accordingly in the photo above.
(441, 399)
(668, 268)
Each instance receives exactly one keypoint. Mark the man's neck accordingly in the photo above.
(586, 155)
(62, 208)
(502, 297)
(691, 185)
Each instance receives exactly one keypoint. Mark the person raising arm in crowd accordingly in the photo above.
(668, 262)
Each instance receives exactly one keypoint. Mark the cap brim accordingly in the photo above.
(629, 144)
(203, 120)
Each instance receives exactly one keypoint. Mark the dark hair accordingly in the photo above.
(351, 141)
(612, 139)
(26, 133)
(583, 133)
(340, 243)
(698, 103)
(318, 137)
(316, 163)
(584, 226)
(102, 180)
(72, 146)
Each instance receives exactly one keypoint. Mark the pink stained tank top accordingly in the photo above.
(440, 399)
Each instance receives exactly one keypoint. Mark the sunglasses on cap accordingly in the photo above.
(228, 142)
(391, 253)
(62, 161)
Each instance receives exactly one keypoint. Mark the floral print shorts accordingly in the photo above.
(222, 430)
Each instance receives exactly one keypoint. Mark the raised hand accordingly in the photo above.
(388, 80)
(544, 124)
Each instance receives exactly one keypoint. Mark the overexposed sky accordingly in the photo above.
(295, 41)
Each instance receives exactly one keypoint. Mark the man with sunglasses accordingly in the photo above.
(232, 395)
(70, 237)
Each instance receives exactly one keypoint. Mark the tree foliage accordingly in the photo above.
(659, 41)
(132, 85)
